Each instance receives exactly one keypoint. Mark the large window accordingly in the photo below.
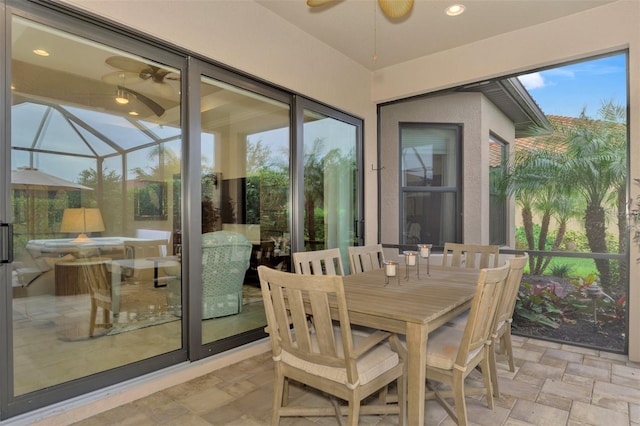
(429, 162)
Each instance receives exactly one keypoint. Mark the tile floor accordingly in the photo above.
(553, 384)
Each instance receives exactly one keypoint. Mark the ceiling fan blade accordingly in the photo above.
(153, 105)
(125, 64)
(395, 9)
(314, 3)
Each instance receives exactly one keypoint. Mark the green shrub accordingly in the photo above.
(560, 270)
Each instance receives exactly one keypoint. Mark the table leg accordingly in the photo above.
(416, 372)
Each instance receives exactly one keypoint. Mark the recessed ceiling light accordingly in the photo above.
(40, 52)
(134, 113)
(455, 10)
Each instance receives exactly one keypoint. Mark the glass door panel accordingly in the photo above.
(245, 204)
(330, 184)
(95, 149)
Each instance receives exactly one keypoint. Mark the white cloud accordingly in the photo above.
(532, 81)
(561, 72)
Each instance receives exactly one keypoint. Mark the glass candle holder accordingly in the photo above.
(410, 259)
(425, 252)
(390, 270)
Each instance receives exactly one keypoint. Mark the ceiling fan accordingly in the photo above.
(131, 71)
(394, 9)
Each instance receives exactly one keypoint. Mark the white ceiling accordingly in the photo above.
(348, 25)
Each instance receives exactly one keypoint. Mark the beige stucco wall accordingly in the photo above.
(478, 117)
(248, 37)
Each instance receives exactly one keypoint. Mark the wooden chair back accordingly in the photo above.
(477, 332)
(365, 258)
(318, 262)
(327, 356)
(510, 294)
(285, 298)
(473, 256)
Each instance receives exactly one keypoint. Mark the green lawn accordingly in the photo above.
(577, 267)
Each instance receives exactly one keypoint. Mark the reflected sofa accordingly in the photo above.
(225, 259)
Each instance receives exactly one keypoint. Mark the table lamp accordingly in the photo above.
(82, 220)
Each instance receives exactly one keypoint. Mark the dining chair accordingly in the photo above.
(365, 258)
(97, 276)
(98, 280)
(333, 358)
(453, 353)
(504, 317)
(473, 256)
(318, 262)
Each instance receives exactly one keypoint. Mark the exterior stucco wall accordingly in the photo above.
(478, 117)
(495, 122)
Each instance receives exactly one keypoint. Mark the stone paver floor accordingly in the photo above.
(553, 384)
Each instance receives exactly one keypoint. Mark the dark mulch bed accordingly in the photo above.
(608, 333)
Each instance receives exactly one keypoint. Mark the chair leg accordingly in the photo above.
(505, 341)
(354, 412)
(92, 318)
(106, 317)
(278, 390)
(486, 375)
(493, 368)
(285, 392)
(458, 397)
(402, 400)
(383, 395)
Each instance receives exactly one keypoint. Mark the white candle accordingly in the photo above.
(424, 250)
(390, 269)
(410, 258)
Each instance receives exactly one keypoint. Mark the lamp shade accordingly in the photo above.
(82, 220)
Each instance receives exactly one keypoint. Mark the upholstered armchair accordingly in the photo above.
(225, 259)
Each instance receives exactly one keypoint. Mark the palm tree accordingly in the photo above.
(583, 157)
(532, 178)
(595, 168)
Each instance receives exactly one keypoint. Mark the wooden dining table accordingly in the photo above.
(413, 308)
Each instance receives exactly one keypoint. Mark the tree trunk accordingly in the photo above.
(527, 223)
(594, 223)
(562, 229)
(623, 235)
(542, 241)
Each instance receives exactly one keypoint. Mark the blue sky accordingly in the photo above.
(567, 90)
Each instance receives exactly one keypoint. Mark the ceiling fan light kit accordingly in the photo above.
(394, 9)
(121, 97)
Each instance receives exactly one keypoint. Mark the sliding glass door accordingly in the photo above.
(330, 180)
(245, 187)
(96, 146)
